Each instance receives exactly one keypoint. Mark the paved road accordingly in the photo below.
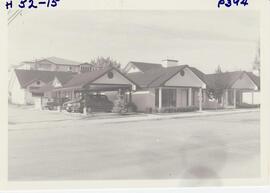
(50, 146)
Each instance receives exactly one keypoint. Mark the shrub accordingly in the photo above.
(131, 107)
(178, 109)
(247, 106)
(119, 105)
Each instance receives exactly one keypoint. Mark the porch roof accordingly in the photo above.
(157, 77)
(227, 79)
(81, 80)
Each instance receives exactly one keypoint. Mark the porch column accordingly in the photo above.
(226, 98)
(234, 98)
(130, 96)
(189, 96)
(84, 102)
(252, 97)
(200, 99)
(159, 98)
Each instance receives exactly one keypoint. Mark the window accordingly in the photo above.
(38, 82)
(70, 68)
(110, 75)
(156, 97)
(168, 97)
(182, 72)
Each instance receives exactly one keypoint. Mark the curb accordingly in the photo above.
(166, 117)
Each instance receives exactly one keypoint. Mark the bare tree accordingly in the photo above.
(102, 62)
(218, 69)
(257, 61)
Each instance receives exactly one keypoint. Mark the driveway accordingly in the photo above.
(53, 146)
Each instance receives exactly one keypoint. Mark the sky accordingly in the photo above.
(202, 39)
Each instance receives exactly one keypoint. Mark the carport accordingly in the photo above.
(109, 79)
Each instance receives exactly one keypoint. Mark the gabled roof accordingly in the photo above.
(143, 66)
(56, 60)
(81, 79)
(227, 79)
(158, 77)
(25, 77)
(45, 88)
(256, 79)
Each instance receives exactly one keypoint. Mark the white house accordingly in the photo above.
(51, 64)
(24, 83)
(166, 85)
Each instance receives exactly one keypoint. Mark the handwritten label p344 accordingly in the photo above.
(229, 3)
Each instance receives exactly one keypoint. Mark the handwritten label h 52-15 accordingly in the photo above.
(229, 3)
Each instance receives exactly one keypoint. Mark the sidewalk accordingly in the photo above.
(146, 117)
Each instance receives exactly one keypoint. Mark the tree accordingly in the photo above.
(218, 70)
(257, 61)
(102, 62)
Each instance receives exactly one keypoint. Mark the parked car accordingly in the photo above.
(99, 103)
(51, 105)
(74, 106)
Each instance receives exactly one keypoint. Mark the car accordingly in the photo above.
(99, 103)
(75, 105)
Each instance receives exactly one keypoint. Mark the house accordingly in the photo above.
(234, 88)
(109, 80)
(51, 64)
(166, 85)
(23, 84)
(170, 85)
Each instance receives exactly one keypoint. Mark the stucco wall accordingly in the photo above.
(247, 97)
(144, 99)
(17, 93)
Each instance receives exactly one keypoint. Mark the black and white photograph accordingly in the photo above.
(134, 95)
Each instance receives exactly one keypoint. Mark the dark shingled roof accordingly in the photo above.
(143, 66)
(157, 77)
(25, 77)
(256, 79)
(227, 79)
(45, 88)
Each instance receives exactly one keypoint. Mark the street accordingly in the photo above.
(55, 146)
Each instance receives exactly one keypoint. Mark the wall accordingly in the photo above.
(247, 97)
(17, 93)
(144, 99)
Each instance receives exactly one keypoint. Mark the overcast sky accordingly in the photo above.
(203, 39)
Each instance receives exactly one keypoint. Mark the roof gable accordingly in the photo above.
(25, 77)
(244, 82)
(223, 80)
(185, 78)
(84, 79)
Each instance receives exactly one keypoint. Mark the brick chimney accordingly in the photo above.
(169, 63)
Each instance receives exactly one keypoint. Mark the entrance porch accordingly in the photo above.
(178, 97)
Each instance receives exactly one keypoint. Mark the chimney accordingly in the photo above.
(169, 63)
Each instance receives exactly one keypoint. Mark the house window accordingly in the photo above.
(168, 97)
(110, 75)
(156, 97)
(38, 82)
(70, 68)
(182, 72)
